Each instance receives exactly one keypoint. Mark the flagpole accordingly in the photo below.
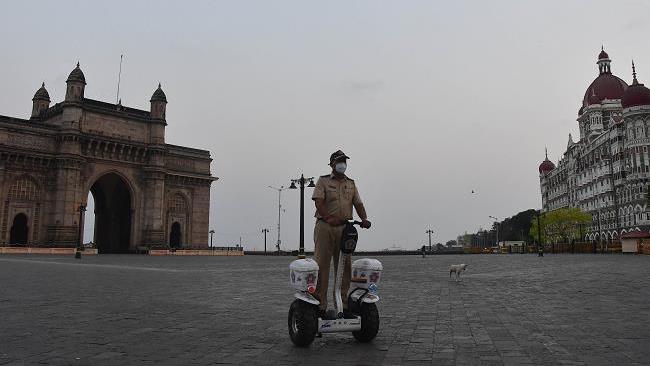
(119, 78)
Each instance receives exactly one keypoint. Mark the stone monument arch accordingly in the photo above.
(142, 186)
(114, 212)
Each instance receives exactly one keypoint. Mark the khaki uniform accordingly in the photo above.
(339, 197)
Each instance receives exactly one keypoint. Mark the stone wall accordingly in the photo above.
(48, 166)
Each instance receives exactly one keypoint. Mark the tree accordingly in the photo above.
(513, 228)
(560, 225)
(516, 227)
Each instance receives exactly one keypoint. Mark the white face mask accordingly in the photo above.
(340, 167)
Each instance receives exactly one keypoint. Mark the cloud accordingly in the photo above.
(636, 24)
(363, 86)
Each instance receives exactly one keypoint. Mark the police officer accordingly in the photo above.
(335, 195)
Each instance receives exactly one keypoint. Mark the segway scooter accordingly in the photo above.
(362, 317)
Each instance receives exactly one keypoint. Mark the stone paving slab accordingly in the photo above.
(508, 310)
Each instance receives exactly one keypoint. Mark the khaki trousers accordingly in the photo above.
(327, 242)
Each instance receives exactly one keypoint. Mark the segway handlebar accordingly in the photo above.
(355, 222)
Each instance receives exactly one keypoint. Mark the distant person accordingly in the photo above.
(334, 196)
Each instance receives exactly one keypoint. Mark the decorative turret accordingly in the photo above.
(158, 104)
(605, 86)
(76, 84)
(41, 101)
(636, 94)
(158, 109)
(546, 166)
(604, 62)
(570, 143)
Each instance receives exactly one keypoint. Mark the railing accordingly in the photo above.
(644, 248)
(584, 247)
(40, 245)
(230, 249)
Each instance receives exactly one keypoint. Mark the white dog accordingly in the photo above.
(457, 268)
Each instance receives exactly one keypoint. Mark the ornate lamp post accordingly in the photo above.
(265, 231)
(77, 253)
(540, 246)
(211, 234)
(302, 180)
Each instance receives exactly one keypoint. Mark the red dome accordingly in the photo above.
(606, 86)
(546, 166)
(635, 95)
(602, 55)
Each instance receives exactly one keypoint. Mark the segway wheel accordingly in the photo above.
(303, 323)
(369, 323)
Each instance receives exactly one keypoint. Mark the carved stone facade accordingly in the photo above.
(146, 192)
(607, 171)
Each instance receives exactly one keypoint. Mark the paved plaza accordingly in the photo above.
(509, 309)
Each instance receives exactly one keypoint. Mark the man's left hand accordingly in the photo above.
(365, 224)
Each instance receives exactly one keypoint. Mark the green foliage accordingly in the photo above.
(560, 225)
(516, 227)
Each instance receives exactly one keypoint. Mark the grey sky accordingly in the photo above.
(429, 99)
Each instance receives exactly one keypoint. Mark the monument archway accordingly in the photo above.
(53, 161)
(175, 235)
(19, 230)
(113, 214)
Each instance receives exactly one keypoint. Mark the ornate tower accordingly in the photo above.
(76, 84)
(604, 62)
(155, 173)
(158, 104)
(637, 94)
(41, 102)
(544, 169)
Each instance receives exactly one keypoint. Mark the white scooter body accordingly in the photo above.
(340, 324)
(362, 316)
(304, 274)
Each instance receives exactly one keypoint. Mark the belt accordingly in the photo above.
(323, 220)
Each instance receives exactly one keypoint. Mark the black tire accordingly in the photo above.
(303, 323)
(369, 323)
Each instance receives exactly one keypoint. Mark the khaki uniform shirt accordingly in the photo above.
(339, 196)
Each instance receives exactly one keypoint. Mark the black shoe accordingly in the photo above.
(322, 314)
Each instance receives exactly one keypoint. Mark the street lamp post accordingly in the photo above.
(540, 247)
(600, 237)
(282, 188)
(302, 180)
(211, 234)
(429, 231)
(264, 231)
(77, 253)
